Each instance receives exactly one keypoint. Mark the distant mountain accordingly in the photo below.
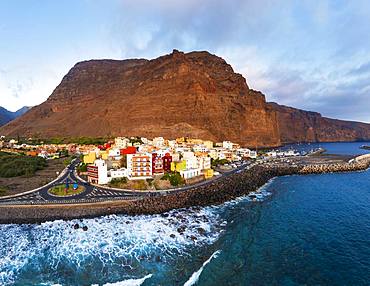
(7, 116)
(193, 94)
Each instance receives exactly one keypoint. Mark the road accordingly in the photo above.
(93, 194)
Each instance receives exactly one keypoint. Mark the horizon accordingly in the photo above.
(304, 55)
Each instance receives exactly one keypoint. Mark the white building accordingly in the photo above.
(172, 144)
(117, 174)
(114, 152)
(98, 173)
(290, 153)
(227, 145)
(246, 153)
(121, 142)
(191, 173)
(158, 142)
(272, 154)
(253, 154)
(204, 163)
(144, 140)
(200, 148)
(191, 160)
(193, 165)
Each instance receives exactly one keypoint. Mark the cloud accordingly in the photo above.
(362, 69)
(307, 54)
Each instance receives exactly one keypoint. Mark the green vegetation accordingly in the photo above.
(61, 190)
(14, 165)
(63, 153)
(174, 178)
(136, 140)
(217, 162)
(66, 140)
(150, 182)
(67, 161)
(82, 168)
(3, 191)
(118, 183)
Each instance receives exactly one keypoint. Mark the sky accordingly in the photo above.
(313, 55)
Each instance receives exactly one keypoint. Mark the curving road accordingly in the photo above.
(89, 195)
(92, 193)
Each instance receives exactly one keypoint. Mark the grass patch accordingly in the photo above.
(61, 191)
(15, 165)
(3, 191)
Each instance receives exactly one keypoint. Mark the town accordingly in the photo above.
(142, 163)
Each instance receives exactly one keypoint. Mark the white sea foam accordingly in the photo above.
(195, 277)
(118, 240)
(128, 282)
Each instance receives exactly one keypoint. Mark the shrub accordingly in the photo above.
(82, 167)
(3, 191)
(216, 162)
(174, 178)
(19, 165)
(150, 181)
(117, 182)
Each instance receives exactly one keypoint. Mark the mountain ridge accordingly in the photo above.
(7, 116)
(194, 94)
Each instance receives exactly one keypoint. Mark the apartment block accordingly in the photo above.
(139, 166)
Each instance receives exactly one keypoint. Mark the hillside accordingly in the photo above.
(195, 94)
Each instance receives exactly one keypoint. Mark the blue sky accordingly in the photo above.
(313, 55)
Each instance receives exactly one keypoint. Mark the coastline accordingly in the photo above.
(214, 193)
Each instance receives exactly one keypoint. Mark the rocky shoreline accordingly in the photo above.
(217, 192)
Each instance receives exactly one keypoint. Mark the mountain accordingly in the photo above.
(194, 94)
(7, 116)
(297, 125)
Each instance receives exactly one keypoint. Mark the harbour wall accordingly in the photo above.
(216, 192)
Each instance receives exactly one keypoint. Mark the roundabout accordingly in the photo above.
(66, 190)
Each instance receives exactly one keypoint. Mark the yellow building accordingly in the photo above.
(178, 166)
(180, 140)
(104, 155)
(208, 144)
(194, 141)
(208, 173)
(90, 158)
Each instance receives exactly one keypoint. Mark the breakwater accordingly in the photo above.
(358, 164)
(216, 192)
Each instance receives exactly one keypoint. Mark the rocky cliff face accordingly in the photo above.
(297, 125)
(195, 94)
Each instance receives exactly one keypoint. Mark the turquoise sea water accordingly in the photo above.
(308, 230)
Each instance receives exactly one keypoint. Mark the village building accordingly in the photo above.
(98, 173)
(139, 166)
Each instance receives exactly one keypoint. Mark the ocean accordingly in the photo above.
(307, 230)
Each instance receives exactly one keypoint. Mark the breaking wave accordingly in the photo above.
(130, 282)
(195, 277)
(116, 241)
